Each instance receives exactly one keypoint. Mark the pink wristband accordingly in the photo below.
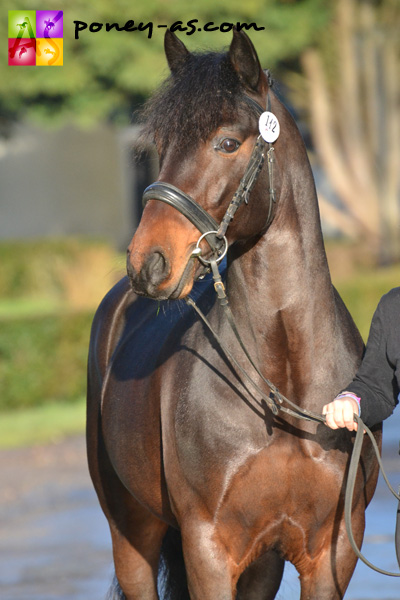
(351, 395)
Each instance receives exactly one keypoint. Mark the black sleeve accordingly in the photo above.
(377, 379)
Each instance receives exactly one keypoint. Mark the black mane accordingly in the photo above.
(194, 101)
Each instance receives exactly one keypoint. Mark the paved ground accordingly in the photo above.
(54, 540)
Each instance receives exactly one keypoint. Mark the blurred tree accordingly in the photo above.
(353, 73)
(107, 74)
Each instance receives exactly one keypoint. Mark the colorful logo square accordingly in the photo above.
(49, 23)
(35, 38)
(22, 53)
(21, 23)
(49, 52)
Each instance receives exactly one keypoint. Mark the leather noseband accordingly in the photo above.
(168, 193)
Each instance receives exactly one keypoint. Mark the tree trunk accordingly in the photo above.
(355, 122)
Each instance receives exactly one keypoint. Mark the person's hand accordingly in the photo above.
(339, 413)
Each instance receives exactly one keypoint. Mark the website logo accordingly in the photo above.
(35, 38)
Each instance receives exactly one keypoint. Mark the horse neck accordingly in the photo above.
(280, 288)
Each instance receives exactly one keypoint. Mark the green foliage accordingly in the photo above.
(42, 275)
(106, 74)
(43, 359)
(49, 290)
(362, 293)
(42, 424)
(33, 268)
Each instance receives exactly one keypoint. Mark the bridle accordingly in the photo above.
(216, 237)
(215, 233)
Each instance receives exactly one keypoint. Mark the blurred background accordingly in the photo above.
(71, 180)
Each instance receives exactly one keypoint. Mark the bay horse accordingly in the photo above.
(200, 480)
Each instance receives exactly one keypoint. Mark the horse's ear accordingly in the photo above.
(245, 62)
(175, 51)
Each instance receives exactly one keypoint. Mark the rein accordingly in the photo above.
(215, 235)
(274, 399)
(351, 480)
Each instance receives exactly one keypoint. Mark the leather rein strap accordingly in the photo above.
(274, 399)
(351, 480)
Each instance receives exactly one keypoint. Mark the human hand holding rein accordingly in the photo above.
(340, 412)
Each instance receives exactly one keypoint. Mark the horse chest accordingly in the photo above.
(251, 490)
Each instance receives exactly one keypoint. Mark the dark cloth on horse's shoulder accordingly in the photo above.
(377, 380)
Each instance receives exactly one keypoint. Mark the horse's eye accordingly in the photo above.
(229, 145)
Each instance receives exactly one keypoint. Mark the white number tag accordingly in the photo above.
(269, 126)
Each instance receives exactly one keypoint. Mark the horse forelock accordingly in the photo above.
(193, 102)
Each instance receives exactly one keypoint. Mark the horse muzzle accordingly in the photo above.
(156, 280)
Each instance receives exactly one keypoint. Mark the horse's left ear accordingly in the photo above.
(175, 51)
(245, 62)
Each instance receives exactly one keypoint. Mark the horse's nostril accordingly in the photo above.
(156, 268)
(151, 274)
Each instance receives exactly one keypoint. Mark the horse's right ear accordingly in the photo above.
(175, 51)
(245, 61)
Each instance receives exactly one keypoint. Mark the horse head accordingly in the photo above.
(205, 126)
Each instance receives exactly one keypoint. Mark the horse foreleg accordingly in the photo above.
(261, 580)
(328, 575)
(115, 592)
(211, 574)
(136, 533)
(136, 551)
